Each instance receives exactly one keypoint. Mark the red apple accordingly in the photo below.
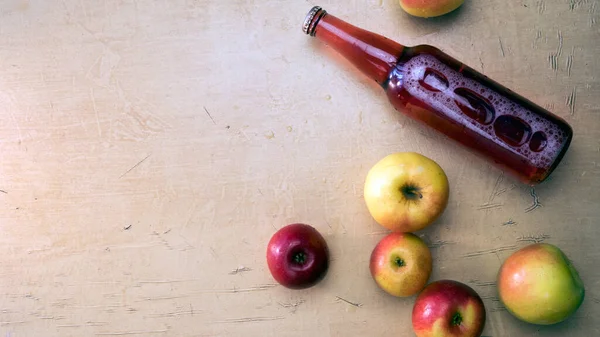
(401, 264)
(298, 256)
(448, 308)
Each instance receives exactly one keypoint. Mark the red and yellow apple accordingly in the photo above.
(539, 285)
(406, 191)
(401, 264)
(430, 8)
(448, 308)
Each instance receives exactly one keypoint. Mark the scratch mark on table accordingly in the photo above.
(553, 59)
(80, 325)
(12, 322)
(95, 323)
(495, 189)
(549, 106)
(533, 238)
(221, 291)
(3, 191)
(250, 319)
(510, 222)
(172, 314)
(245, 290)
(481, 63)
(55, 318)
(125, 333)
(134, 166)
(536, 201)
(84, 10)
(95, 112)
(293, 306)
(573, 4)
(17, 126)
(209, 115)
(571, 100)
(440, 243)
(358, 305)
(378, 233)
(538, 36)
(239, 270)
(483, 283)
(541, 6)
(165, 281)
(489, 206)
(490, 251)
(498, 309)
(569, 64)
(560, 44)
(501, 46)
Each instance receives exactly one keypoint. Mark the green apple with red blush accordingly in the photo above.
(538, 284)
(406, 191)
(401, 264)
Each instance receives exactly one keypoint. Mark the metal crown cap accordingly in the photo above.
(309, 22)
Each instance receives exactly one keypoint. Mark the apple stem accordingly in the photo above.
(456, 319)
(411, 192)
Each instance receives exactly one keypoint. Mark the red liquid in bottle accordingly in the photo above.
(437, 90)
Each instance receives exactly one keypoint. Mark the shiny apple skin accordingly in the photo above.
(290, 269)
(439, 302)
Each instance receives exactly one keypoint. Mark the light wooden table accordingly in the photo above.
(151, 148)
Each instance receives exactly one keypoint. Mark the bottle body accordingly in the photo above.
(454, 99)
(482, 115)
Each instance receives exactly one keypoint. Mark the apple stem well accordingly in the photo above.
(456, 319)
(411, 192)
(299, 258)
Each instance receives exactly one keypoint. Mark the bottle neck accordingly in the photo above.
(374, 55)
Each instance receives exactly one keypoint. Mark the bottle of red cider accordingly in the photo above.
(426, 84)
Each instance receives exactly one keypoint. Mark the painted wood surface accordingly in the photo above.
(151, 148)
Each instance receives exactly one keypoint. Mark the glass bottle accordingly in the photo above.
(430, 86)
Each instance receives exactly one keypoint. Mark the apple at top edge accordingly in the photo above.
(406, 191)
(430, 8)
(298, 256)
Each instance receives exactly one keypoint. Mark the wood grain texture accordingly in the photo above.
(151, 148)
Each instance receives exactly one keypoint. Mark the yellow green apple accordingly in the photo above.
(401, 264)
(406, 191)
(538, 284)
